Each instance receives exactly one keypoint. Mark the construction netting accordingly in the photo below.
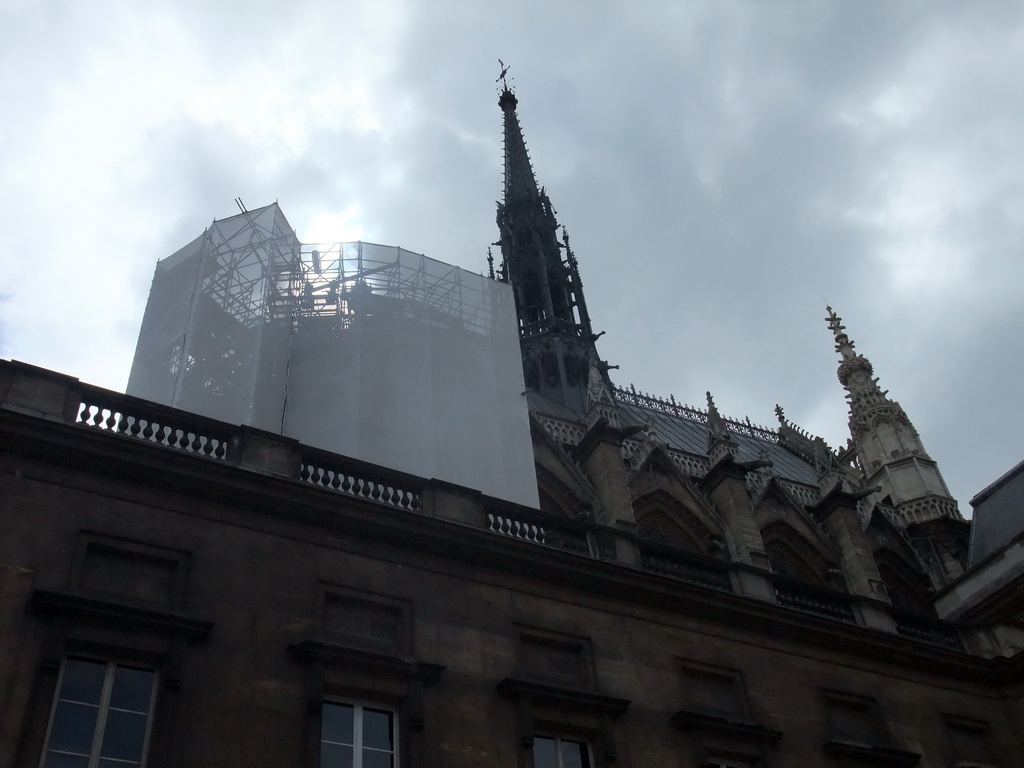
(365, 350)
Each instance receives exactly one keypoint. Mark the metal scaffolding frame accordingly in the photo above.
(363, 349)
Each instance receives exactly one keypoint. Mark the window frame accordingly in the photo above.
(103, 709)
(558, 741)
(357, 734)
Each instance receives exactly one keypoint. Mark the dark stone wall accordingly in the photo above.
(259, 574)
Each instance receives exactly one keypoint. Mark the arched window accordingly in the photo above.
(790, 554)
(907, 587)
(662, 519)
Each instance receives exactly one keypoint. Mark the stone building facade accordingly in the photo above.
(693, 590)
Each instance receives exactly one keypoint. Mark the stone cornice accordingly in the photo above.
(873, 754)
(117, 613)
(691, 720)
(347, 657)
(565, 697)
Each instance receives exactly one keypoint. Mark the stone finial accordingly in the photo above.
(720, 441)
(844, 345)
(716, 424)
(597, 387)
(781, 414)
(599, 402)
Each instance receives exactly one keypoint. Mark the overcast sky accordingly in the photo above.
(723, 169)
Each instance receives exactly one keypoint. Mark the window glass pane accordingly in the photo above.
(373, 759)
(73, 727)
(544, 753)
(133, 689)
(335, 756)
(337, 723)
(377, 729)
(57, 760)
(574, 754)
(124, 735)
(82, 681)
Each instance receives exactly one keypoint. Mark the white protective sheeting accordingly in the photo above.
(365, 350)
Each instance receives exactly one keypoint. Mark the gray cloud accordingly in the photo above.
(720, 167)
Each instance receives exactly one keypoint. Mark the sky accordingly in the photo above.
(724, 169)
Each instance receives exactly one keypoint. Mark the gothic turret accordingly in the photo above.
(555, 334)
(888, 447)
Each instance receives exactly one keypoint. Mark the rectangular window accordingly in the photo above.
(354, 736)
(560, 753)
(718, 761)
(102, 716)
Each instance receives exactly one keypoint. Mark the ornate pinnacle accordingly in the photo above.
(780, 413)
(490, 263)
(844, 346)
(716, 424)
(851, 363)
(720, 441)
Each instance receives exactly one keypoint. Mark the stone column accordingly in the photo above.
(600, 454)
(837, 512)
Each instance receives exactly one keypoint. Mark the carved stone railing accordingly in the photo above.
(354, 478)
(563, 431)
(143, 420)
(668, 561)
(539, 529)
(811, 599)
(660, 405)
(927, 630)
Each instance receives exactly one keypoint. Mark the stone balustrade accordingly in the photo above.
(38, 393)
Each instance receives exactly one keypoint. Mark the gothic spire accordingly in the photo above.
(855, 372)
(520, 183)
(555, 333)
(889, 449)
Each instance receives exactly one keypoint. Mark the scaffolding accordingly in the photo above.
(351, 347)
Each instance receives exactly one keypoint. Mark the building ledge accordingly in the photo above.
(690, 720)
(344, 656)
(871, 754)
(75, 606)
(554, 694)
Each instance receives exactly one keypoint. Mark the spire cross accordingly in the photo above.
(502, 77)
